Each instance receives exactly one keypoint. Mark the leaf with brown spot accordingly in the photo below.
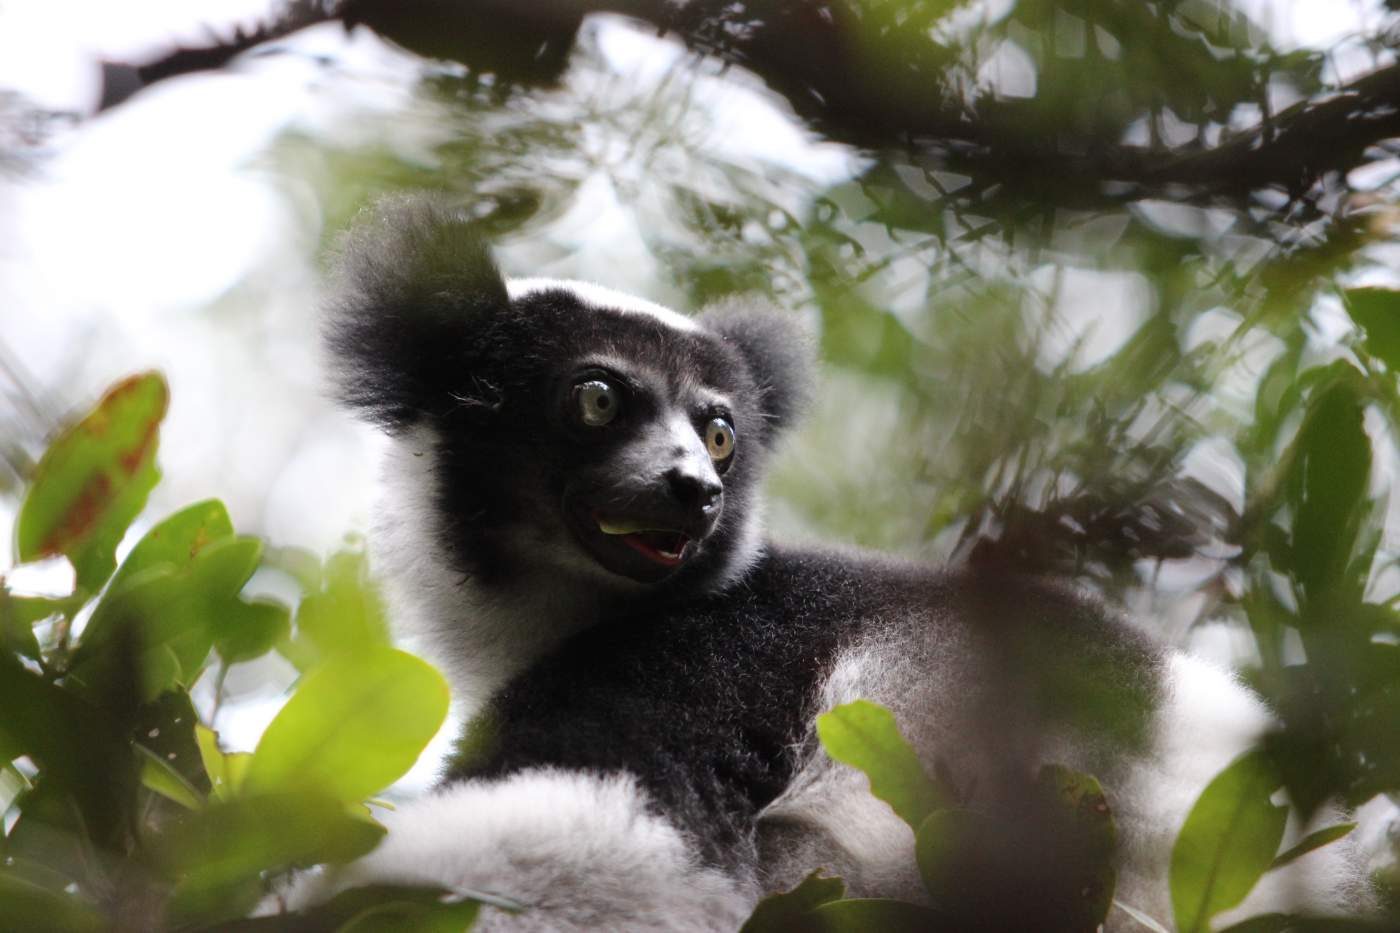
(94, 479)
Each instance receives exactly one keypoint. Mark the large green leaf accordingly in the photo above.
(93, 480)
(355, 724)
(864, 735)
(1228, 841)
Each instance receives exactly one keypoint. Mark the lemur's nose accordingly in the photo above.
(694, 490)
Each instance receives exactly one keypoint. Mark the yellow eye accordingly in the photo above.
(597, 402)
(719, 439)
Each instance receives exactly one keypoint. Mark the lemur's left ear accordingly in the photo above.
(778, 350)
(414, 286)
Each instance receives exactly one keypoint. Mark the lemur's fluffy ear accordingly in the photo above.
(412, 284)
(777, 349)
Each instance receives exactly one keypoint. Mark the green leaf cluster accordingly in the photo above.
(122, 806)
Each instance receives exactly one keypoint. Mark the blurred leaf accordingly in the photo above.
(81, 748)
(247, 630)
(1330, 468)
(862, 915)
(782, 912)
(1142, 918)
(954, 849)
(17, 617)
(158, 775)
(176, 540)
(408, 917)
(1228, 841)
(863, 735)
(93, 480)
(354, 725)
(1377, 310)
(219, 854)
(344, 617)
(172, 614)
(1313, 840)
(29, 908)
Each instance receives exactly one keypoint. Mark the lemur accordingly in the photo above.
(572, 521)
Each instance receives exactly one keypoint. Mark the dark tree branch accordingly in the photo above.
(863, 73)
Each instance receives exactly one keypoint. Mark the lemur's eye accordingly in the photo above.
(597, 402)
(719, 439)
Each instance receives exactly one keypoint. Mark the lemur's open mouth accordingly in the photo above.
(663, 546)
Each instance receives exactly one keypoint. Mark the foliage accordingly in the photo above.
(123, 810)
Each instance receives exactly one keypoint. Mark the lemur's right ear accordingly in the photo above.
(413, 282)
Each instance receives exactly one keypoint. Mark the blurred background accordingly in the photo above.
(1105, 289)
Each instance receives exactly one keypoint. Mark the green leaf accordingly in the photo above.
(17, 617)
(177, 540)
(1228, 841)
(247, 630)
(168, 614)
(1313, 840)
(354, 725)
(864, 735)
(779, 913)
(28, 907)
(1331, 467)
(862, 915)
(344, 617)
(159, 776)
(409, 917)
(93, 480)
(1377, 310)
(219, 854)
(82, 749)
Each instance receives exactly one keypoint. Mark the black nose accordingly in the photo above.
(693, 491)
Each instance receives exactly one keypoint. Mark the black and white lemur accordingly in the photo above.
(572, 520)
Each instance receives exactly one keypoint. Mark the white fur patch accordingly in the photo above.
(583, 852)
(601, 297)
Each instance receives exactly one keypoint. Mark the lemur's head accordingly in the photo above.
(572, 429)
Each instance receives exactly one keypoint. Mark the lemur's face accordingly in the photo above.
(574, 431)
(625, 446)
(652, 491)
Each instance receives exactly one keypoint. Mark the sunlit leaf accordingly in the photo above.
(782, 912)
(354, 725)
(1230, 838)
(93, 480)
(177, 540)
(344, 617)
(864, 735)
